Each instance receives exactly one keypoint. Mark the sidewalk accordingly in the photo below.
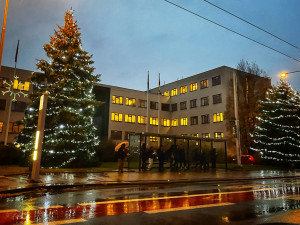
(20, 183)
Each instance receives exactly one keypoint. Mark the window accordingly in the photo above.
(217, 99)
(174, 122)
(194, 120)
(117, 117)
(116, 135)
(153, 139)
(218, 117)
(142, 119)
(165, 107)
(166, 93)
(130, 101)
(183, 89)
(2, 79)
(2, 104)
(216, 80)
(21, 85)
(1, 126)
(129, 118)
(174, 107)
(203, 84)
(174, 92)
(15, 128)
(154, 121)
(182, 105)
(204, 101)
(195, 135)
(205, 119)
(165, 122)
(127, 134)
(183, 121)
(142, 103)
(193, 87)
(117, 100)
(154, 105)
(205, 135)
(193, 103)
(218, 135)
(18, 106)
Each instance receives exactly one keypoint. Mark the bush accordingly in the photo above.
(105, 151)
(10, 155)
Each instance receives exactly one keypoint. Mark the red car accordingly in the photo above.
(247, 159)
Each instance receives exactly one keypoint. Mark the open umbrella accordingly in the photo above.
(120, 144)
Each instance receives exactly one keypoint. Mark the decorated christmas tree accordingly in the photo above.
(69, 137)
(277, 136)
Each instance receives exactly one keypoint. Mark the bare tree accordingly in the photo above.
(252, 68)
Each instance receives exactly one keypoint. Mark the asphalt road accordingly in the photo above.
(251, 202)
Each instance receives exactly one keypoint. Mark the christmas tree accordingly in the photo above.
(277, 136)
(69, 135)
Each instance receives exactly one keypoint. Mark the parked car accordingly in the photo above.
(247, 159)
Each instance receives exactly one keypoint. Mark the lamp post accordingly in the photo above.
(284, 74)
(3, 31)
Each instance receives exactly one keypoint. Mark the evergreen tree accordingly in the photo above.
(277, 136)
(69, 137)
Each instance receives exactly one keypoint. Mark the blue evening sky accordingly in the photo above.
(129, 37)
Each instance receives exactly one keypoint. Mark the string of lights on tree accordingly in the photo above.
(277, 134)
(69, 134)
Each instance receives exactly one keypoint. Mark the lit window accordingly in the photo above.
(174, 122)
(218, 117)
(166, 93)
(117, 117)
(153, 139)
(193, 87)
(143, 103)
(1, 126)
(174, 92)
(130, 101)
(129, 118)
(154, 121)
(183, 89)
(165, 122)
(15, 128)
(117, 100)
(195, 135)
(203, 84)
(218, 135)
(183, 121)
(142, 119)
(205, 135)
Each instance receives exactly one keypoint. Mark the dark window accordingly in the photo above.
(174, 107)
(2, 79)
(116, 135)
(2, 104)
(182, 105)
(154, 105)
(216, 80)
(205, 119)
(204, 101)
(217, 99)
(193, 103)
(127, 134)
(203, 84)
(194, 120)
(18, 106)
(165, 107)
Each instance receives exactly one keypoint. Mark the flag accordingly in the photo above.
(159, 83)
(148, 82)
(16, 57)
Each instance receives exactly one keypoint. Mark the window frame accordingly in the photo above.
(204, 84)
(194, 120)
(204, 101)
(193, 86)
(114, 100)
(205, 119)
(216, 80)
(217, 99)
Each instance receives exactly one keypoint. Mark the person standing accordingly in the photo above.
(151, 155)
(144, 156)
(122, 152)
(161, 158)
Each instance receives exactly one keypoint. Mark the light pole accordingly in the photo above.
(284, 74)
(3, 31)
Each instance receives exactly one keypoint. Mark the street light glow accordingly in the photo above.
(283, 75)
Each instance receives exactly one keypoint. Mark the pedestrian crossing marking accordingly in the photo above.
(188, 208)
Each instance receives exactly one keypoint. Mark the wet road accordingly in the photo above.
(252, 202)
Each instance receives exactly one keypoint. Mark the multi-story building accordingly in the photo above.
(18, 105)
(201, 106)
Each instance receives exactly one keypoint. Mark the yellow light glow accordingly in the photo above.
(34, 155)
(16, 84)
(26, 86)
(37, 140)
(41, 102)
(283, 75)
(21, 86)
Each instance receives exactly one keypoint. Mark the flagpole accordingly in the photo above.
(3, 32)
(148, 120)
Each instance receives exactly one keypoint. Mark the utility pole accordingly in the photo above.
(3, 32)
(237, 121)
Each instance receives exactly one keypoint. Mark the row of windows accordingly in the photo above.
(118, 117)
(13, 128)
(16, 106)
(117, 135)
(17, 85)
(194, 86)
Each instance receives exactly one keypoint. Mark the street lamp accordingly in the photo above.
(284, 74)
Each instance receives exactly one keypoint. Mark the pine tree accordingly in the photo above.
(69, 137)
(277, 136)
